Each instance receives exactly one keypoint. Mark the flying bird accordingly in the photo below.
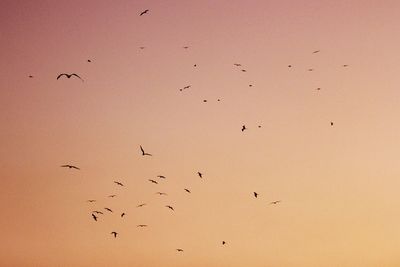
(30, 76)
(69, 76)
(161, 176)
(200, 174)
(186, 47)
(244, 128)
(223, 242)
(289, 66)
(153, 181)
(218, 99)
(70, 166)
(187, 190)
(168, 206)
(123, 214)
(179, 250)
(144, 12)
(161, 193)
(237, 64)
(205, 100)
(141, 225)
(345, 65)
(141, 205)
(144, 153)
(98, 212)
(112, 195)
(114, 233)
(255, 194)
(94, 217)
(318, 89)
(89, 61)
(118, 183)
(187, 87)
(310, 69)
(110, 210)
(91, 200)
(331, 123)
(316, 51)
(259, 126)
(275, 202)
(244, 70)
(250, 85)
(142, 47)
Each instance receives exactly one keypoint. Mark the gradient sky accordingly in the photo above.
(339, 185)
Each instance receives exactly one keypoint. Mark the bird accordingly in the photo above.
(89, 60)
(110, 210)
(161, 176)
(112, 195)
(289, 66)
(30, 76)
(250, 85)
(168, 206)
(123, 214)
(141, 205)
(115, 234)
(187, 190)
(179, 250)
(331, 123)
(218, 99)
(244, 70)
(144, 12)
(144, 153)
(70, 166)
(195, 65)
(69, 76)
(200, 174)
(318, 89)
(187, 87)
(274, 202)
(205, 100)
(237, 64)
(98, 212)
(316, 51)
(142, 47)
(91, 200)
(259, 126)
(161, 193)
(223, 242)
(244, 128)
(118, 183)
(94, 217)
(255, 194)
(141, 225)
(345, 65)
(154, 182)
(186, 47)
(310, 69)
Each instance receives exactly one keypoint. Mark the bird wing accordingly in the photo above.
(76, 75)
(74, 167)
(58, 77)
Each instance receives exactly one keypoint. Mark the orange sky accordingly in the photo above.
(338, 185)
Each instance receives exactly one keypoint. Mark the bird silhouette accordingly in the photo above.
(255, 194)
(141, 205)
(91, 200)
(69, 76)
(310, 69)
(243, 70)
(97, 212)
(144, 12)
(110, 210)
(153, 181)
(200, 174)
(70, 166)
(274, 202)
(30, 76)
(161, 193)
(115, 234)
(289, 66)
(161, 176)
(250, 85)
(187, 190)
(316, 51)
(345, 65)
(186, 47)
(94, 217)
(144, 153)
(187, 87)
(118, 183)
(223, 242)
(112, 195)
(244, 128)
(168, 206)
(142, 47)
(141, 225)
(318, 89)
(179, 250)
(89, 61)
(237, 64)
(123, 214)
(331, 123)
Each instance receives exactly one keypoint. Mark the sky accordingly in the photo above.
(338, 185)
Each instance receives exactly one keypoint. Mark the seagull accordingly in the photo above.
(244, 128)
(94, 217)
(110, 210)
(223, 242)
(91, 200)
(237, 64)
(187, 190)
(112, 195)
(244, 70)
(123, 214)
(98, 212)
(141, 205)
(144, 153)
(200, 174)
(161, 176)
(144, 12)
(168, 206)
(186, 47)
(30, 76)
(275, 202)
(69, 76)
(179, 250)
(114, 233)
(331, 123)
(118, 183)
(141, 225)
(316, 51)
(187, 87)
(255, 194)
(89, 61)
(70, 166)
(154, 182)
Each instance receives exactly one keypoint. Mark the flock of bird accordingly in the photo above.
(95, 214)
